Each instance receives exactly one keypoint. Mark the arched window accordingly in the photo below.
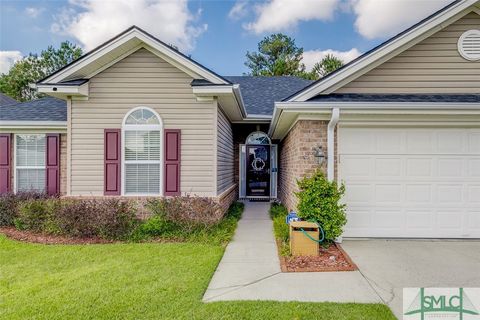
(142, 152)
(258, 137)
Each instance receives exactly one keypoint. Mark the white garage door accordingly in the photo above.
(411, 182)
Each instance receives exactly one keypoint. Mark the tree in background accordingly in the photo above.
(32, 68)
(328, 64)
(277, 55)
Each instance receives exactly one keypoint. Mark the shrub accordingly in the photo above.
(319, 200)
(9, 205)
(277, 209)
(188, 213)
(157, 226)
(105, 218)
(38, 215)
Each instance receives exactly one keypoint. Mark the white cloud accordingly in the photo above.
(33, 12)
(95, 21)
(313, 56)
(382, 19)
(8, 59)
(280, 15)
(239, 10)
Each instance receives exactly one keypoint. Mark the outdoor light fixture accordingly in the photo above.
(319, 154)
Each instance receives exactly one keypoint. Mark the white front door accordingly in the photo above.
(411, 182)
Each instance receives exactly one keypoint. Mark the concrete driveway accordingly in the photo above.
(391, 265)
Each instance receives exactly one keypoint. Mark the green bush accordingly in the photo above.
(277, 209)
(10, 202)
(188, 213)
(319, 200)
(159, 226)
(38, 215)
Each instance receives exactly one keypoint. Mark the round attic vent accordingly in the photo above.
(469, 45)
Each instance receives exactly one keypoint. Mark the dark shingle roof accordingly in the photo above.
(6, 100)
(353, 97)
(44, 109)
(260, 93)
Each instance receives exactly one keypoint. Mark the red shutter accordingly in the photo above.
(112, 162)
(52, 162)
(172, 162)
(5, 158)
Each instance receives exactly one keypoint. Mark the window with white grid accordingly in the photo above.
(30, 162)
(142, 152)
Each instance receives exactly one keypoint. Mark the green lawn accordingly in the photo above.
(135, 281)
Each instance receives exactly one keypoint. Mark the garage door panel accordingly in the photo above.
(418, 193)
(451, 141)
(450, 194)
(450, 167)
(473, 195)
(473, 167)
(388, 167)
(474, 142)
(388, 193)
(359, 194)
(419, 167)
(419, 141)
(357, 166)
(417, 220)
(390, 142)
(431, 189)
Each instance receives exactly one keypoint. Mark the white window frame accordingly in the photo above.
(15, 167)
(141, 127)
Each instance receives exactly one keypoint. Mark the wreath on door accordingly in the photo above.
(258, 164)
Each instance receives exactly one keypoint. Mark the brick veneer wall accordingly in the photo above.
(296, 157)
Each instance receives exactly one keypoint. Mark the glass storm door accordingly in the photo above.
(258, 171)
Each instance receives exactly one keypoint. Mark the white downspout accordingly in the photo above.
(331, 144)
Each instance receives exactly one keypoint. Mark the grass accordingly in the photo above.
(138, 281)
(278, 213)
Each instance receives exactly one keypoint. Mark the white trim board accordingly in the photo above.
(136, 36)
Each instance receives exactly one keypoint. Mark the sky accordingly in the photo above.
(216, 33)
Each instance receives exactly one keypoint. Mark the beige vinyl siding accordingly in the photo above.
(431, 66)
(142, 79)
(225, 157)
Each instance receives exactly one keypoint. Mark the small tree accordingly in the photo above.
(319, 200)
(327, 65)
(16, 83)
(277, 55)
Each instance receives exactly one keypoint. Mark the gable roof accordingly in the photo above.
(6, 100)
(387, 50)
(122, 45)
(260, 93)
(44, 109)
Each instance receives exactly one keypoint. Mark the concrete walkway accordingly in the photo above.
(250, 270)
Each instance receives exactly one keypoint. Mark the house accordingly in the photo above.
(400, 126)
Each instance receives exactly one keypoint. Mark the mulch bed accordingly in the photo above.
(28, 236)
(333, 258)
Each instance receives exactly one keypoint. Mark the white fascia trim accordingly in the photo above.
(135, 33)
(213, 90)
(432, 25)
(376, 105)
(81, 90)
(34, 124)
(222, 90)
(371, 108)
